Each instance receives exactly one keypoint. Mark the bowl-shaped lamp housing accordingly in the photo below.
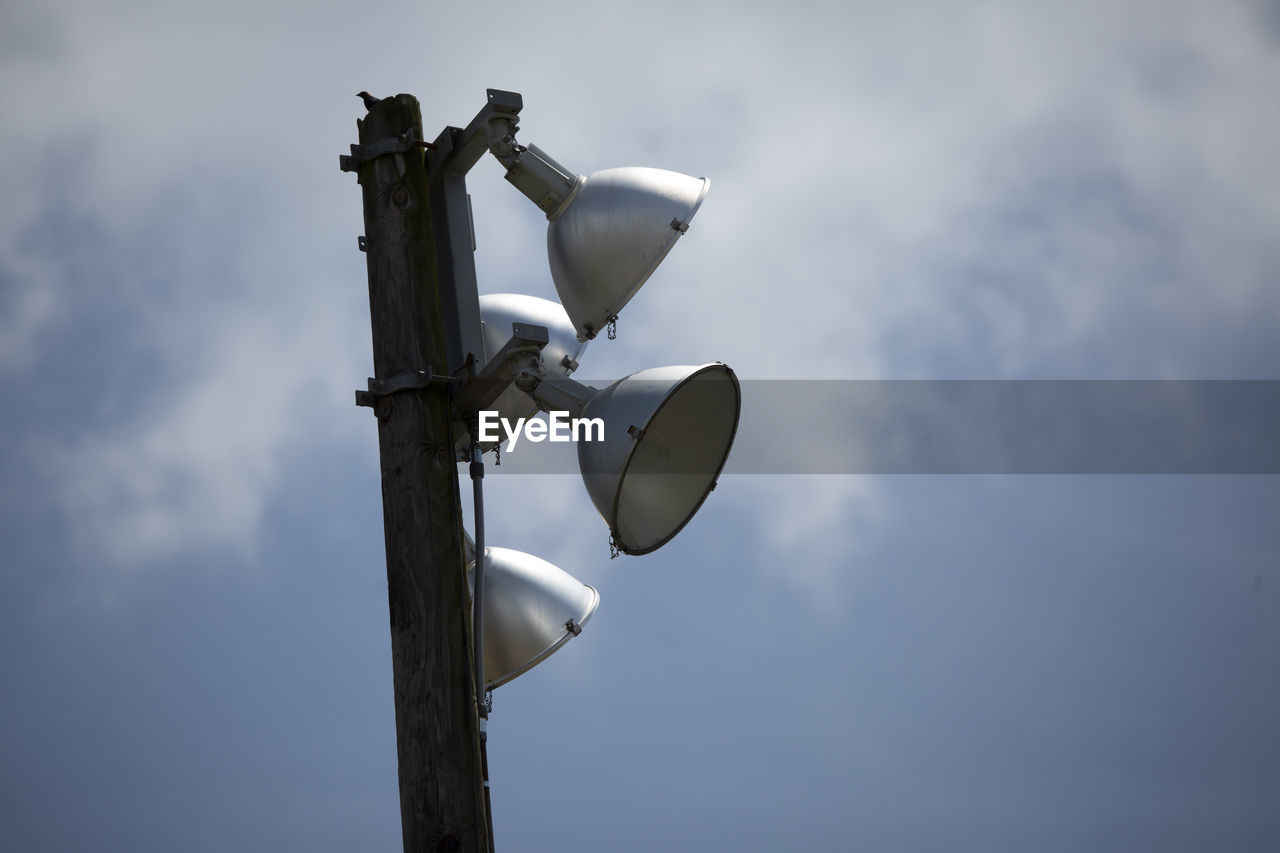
(610, 236)
(668, 432)
(527, 603)
(498, 311)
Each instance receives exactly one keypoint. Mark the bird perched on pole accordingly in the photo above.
(369, 100)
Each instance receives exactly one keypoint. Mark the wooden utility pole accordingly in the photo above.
(437, 735)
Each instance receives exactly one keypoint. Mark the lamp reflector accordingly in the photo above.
(531, 608)
(610, 236)
(498, 311)
(668, 432)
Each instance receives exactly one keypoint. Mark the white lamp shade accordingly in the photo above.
(667, 435)
(498, 311)
(611, 235)
(527, 603)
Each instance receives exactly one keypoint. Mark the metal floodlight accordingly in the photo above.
(607, 231)
(651, 450)
(612, 234)
(498, 313)
(667, 435)
(531, 607)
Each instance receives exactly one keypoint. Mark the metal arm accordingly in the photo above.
(556, 393)
(545, 182)
(531, 170)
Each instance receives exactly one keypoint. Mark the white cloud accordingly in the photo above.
(869, 163)
(198, 468)
(28, 304)
(859, 203)
(809, 534)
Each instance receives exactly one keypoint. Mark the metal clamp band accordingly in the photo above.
(410, 380)
(360, 154)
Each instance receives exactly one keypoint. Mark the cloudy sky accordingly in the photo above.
(194, 651)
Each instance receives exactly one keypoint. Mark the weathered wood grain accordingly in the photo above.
(436, 724)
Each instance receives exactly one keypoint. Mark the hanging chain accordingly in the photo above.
(488, 702)
(613, 548)
(497, 457)
(613, 327)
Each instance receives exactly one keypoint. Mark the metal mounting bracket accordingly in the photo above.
(410, 380)
(361, 154)
(457, 150)
(481, 390)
